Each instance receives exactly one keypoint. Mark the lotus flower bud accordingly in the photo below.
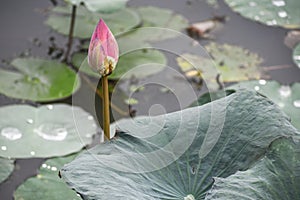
(103, 50)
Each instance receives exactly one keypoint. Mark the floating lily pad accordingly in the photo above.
(7, 167)
(101, 6)
(270, 12)
(144, 62)
(157, 23)
(286, 97)
(86, 21)
(38, 80)
(176, 156)
(47, 185)
(47, 131)
(275, 177)
(233, 63)
(296, 55)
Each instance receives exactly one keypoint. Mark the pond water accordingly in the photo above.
(23, 32)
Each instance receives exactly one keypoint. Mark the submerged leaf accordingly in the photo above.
(46, 184)
(47, 131)
(7, 167)
(38, 80)
(119, 22)
(285, 96)
(176, 156)
(275, 177)
(284, 13)
(139, 63)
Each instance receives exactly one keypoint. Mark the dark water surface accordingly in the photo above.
(23, 32)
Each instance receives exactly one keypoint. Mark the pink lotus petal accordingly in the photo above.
(103, 46)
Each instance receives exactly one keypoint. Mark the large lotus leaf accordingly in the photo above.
(211, 96)
(7, 167)
(284, 13)
(86, 21)
(139, 63)
(296, 55)
(176, 156)
(286, 97)
(233, 63)
(162, 20)
(275, 177)
(101, 6)
(38, 80)
(50, 130)
(46, 185)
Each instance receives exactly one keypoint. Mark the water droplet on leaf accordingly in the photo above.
(11, 133)
(50, 107)
(285, 91)
(282, 14)
(297, 103)
(4, 148)
(278, 3)
(29, 121)
(50, 131)
(262, 82)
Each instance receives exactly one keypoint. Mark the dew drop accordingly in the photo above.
(193, 170)
(256, 17)
(272, 22)
(285, 91)
(88, 135)
(297, 103)
(189, 197)
(90, 117)
(29, 121)
(282, 14)
(54, 169)
(94, 125)
(11, 133)
(44, 165)
(48, 167)
(50, 107)
(252, 4)
(278, 3)
(4, 148)
(281, 105)
(50, 131)
(297, 57)
(32, 153)
(256, 88)
(262, 82)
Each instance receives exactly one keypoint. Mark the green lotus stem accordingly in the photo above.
(103, 55)
(71, 31)
(106, 112)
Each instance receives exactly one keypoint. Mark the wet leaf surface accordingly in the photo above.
(285, 96)
(176, 156)
(47, 131)
(101, 6)
(38, 80)
(156, 25)
(275, 177)
(47, 185)
(118, 22)
(233, 63)
(283, 13)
